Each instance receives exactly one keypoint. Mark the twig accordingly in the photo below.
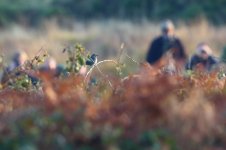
(105, 76)
(121, 52)
(96, 65)
(132, 59)
(37, 55)
(22, 68)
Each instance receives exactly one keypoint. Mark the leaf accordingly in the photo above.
(81, 60)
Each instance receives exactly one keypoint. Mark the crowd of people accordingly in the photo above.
(168, 43)
(165, 47)
(17, 68)
(49, 67)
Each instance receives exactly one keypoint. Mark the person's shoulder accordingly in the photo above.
(61, 70)
(176, 38)
(213, 59)
(195, 57)
(60, 67)
(43, 68)
(157, 39)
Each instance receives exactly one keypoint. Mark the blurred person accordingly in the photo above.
(52, 68)
(203, 58)
(83, 70)
(18, 60)
(166, 43)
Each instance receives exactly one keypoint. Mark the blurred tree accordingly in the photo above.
(35, 10)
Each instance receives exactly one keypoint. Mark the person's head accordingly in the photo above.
(20, 58)
(50, 63)
(167, 28)
(203, 50)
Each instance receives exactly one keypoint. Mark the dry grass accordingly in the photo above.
(105, 37)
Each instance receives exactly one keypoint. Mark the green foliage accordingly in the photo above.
(77, 56)
(119, 68)
(192, 12)
(23, 77)
(21, 82)
(154, 139)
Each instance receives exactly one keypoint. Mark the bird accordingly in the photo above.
(92, 60)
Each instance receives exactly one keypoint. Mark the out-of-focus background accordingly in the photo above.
(103, 25)
(109, 107)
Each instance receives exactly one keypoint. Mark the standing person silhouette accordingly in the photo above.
(167, 42)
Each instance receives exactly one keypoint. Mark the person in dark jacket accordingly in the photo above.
(167, 42)
(51, 68)
(203, 58)
(18, 60)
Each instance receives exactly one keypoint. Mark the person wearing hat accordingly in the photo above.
(203, 58)
(167, 42)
